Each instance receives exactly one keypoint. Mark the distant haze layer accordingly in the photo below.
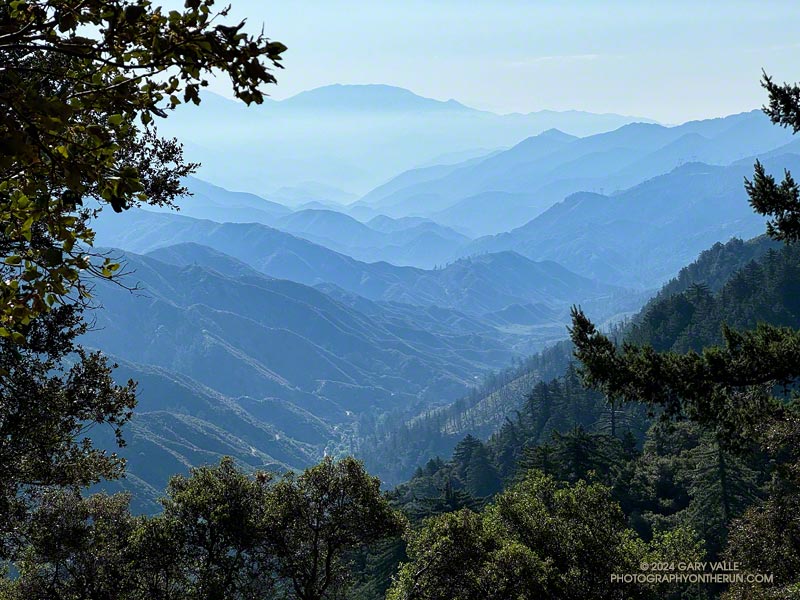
(330, 143)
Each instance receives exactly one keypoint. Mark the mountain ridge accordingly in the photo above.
(640, 236)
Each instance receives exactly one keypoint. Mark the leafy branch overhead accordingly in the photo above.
(724, 386)
(80, 85)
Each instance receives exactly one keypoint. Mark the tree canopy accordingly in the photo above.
(223, 534)
(538, 539)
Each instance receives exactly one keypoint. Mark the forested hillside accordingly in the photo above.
(754, 281)
(397, 446)
(763, 290)
(676, 478)
(488, 407)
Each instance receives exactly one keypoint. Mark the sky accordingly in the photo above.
(669, 60)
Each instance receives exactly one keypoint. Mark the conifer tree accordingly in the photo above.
(578, 454)
(540, 457)
(450, 499)
(481, 476)
(721, 487)
(462, 454)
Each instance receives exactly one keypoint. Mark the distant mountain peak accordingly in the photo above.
(556, 134)
(372, 96)
(544, 140)
(641, 126)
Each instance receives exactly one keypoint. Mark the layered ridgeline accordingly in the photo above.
(641, 236)
(323, 139)
(627, 191)
(636, 237)
(509, 188)
(413, 242)
(275, 373)
(613, 238)
(501, 302)
(517, 295)
(409, 241)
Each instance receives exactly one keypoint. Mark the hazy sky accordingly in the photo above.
(670, 60)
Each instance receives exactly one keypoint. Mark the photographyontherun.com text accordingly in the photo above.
(691, 572)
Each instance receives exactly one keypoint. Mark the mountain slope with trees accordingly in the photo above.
(740, 393)
(271, 372)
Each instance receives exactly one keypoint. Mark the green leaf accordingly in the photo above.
(53, 256)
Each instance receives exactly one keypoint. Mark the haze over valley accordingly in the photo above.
(289, 314)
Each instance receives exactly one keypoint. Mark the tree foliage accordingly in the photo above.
(78, 548)
(80, 86)
(47, 410)
(81, 82)
(781, 201)
(216, 521)
(319, 517)
(222, 534)
(538, 539)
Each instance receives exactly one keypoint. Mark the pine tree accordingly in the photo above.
(721, 487)
(449, 499)
(462, 454)
(577, 454)
(481, 476)
(539, 458)
(538, 408)
(380, 563)
(629, 445)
